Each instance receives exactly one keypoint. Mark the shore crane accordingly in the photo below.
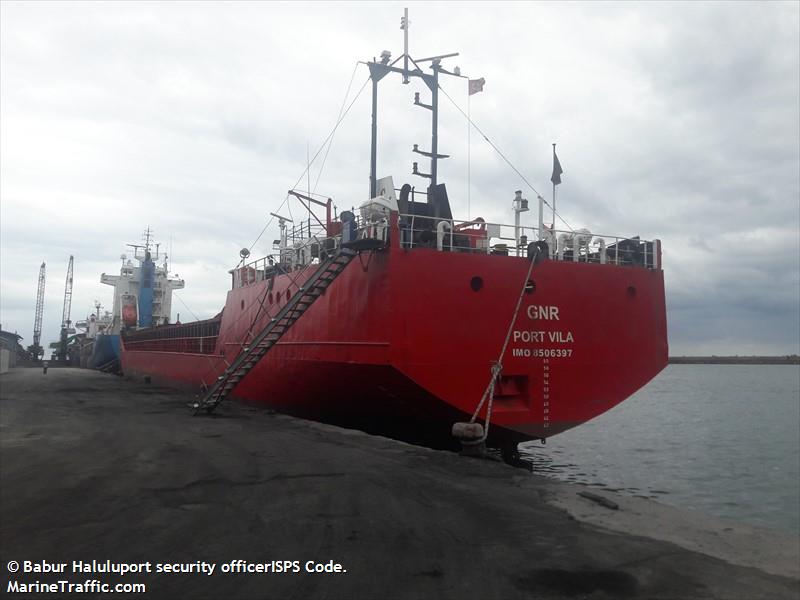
(35, 350)
(65, 322)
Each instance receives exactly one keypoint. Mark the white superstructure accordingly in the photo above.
(129, 283)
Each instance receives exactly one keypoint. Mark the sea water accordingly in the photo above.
(720, 439)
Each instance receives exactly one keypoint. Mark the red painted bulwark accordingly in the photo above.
(402, 336)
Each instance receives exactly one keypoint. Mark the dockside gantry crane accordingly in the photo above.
(65, 322)
(35, 350)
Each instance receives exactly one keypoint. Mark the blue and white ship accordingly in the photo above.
(97, 345)
(142, 298)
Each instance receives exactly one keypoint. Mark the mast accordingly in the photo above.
(373, 157)
(377, 71)
(435, 119)
(404, 26)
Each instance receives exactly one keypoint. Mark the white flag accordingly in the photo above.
(476, 85)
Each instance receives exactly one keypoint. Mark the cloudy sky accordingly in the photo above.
(676, 121)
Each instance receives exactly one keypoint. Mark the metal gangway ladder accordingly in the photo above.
(277, 326)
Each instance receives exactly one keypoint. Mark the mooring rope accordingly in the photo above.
(497, 366)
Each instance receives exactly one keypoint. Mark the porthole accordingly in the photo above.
(476, 283)
(242, 304)
(631, 291)
(288, 294)
(269, 297)
(278, 298)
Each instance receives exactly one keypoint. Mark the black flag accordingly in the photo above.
(557, 171)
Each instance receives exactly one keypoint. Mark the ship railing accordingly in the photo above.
(305, 230)
(481, 237)
(301, 253)
(199, 337)
(371, 232)
(191, 345)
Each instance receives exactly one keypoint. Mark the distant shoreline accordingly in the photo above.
(792, 359)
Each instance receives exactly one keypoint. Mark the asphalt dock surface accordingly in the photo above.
(97, 467)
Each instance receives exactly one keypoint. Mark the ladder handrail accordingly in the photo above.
(218, 391)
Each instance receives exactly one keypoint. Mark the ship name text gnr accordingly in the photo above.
(544, 313)
(542, 337)
(538, 312)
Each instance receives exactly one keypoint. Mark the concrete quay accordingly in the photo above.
(98, 467)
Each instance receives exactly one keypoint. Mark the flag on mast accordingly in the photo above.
(476, 85)
(557, 171)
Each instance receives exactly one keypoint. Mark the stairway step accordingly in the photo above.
(277, 326)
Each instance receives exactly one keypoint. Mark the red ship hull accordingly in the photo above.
(402, 343)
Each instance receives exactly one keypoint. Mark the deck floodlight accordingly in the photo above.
(385, 57)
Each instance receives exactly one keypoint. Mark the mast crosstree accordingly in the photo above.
(378, 70)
